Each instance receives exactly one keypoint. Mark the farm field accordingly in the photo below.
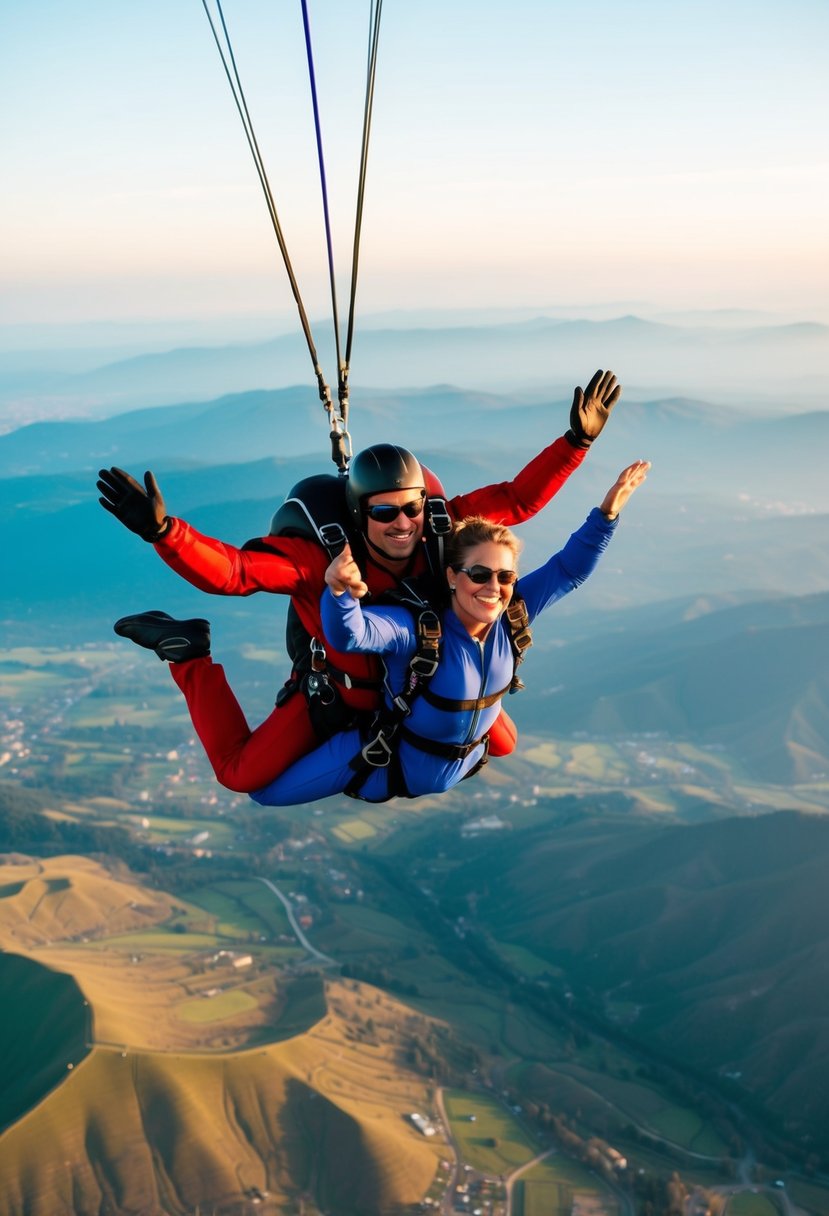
(752, 1205)
(557, 1186)
(488, 1136)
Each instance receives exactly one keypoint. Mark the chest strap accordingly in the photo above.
(435, 747)
(451, 706)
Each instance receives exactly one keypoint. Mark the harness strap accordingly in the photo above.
(347, 681)
(434, 747)
(379, 752)
(451, 706)
(518, 622)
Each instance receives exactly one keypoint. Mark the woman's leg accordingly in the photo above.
(324, 772)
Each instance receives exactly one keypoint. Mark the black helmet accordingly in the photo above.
(378, 469)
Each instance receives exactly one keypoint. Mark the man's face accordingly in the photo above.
(398, 537)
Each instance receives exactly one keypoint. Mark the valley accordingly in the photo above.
(130, 871)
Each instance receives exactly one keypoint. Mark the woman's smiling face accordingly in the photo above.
(478, 605)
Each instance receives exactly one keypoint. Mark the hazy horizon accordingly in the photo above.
(581, 153)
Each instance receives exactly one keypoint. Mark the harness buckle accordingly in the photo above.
(422, 665)
(318, 655)
(424, 662)
(320, 686)
(439, 517)
(520, 635)
(522, 640)
(318, 683)
(377, 752)
(428, 626)
(333, 536)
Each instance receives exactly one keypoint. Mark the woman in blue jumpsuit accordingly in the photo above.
(476, 663)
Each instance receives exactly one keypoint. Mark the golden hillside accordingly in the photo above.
(322, 1114)
(64, 898)
(163, 1114)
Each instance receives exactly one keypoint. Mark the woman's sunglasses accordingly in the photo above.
(482, 574)
(387, 512)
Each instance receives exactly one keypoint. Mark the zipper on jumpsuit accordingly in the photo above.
(476, 716)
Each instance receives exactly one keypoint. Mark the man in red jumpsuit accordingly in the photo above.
(380, 479)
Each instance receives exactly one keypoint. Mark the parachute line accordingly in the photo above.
(232, 73)
(338, 418)
(323, 182)
(374, 34)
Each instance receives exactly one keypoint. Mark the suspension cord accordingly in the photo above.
(374, 34)
(339, 436)
(339, 429)
(231, 72)
(338, 418)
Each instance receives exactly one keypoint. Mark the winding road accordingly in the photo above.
(298, 933)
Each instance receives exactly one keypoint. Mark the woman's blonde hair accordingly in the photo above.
(476, 530)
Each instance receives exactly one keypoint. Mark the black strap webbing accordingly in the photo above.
(451, 706)
(435, 747)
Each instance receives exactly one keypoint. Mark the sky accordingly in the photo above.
(641, 156)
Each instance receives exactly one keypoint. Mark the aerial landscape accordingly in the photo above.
(591, 980)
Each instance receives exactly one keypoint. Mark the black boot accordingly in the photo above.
(172, 640)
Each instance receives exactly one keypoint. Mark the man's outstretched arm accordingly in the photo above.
(514, 502)
(207, 563)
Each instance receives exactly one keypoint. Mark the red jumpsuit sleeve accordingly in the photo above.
(514, 502)
(213, 566)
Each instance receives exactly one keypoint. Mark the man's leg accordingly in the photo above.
(502, 735)
(242, 759)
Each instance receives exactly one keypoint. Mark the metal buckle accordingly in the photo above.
(439, 517)
(428, 625)
(522, 640)
(422, 665)
(332, 535)
(381, 757)
(320, 686)
(318, 655)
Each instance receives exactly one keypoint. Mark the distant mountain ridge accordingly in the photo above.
(501, 357)
(696, 446)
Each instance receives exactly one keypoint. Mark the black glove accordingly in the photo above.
(142, 511)
(591, 408)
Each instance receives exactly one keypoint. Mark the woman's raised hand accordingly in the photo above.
(628, 480)
(344, 575)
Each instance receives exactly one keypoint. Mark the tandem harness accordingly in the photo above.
(315, 509)
(382, 750)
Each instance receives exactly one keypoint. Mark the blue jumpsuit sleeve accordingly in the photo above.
(568, 568)
(348, 626)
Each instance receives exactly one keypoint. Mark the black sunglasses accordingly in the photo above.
(387, 512)
(482, 574)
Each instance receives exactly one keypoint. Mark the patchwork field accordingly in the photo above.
(559, 1187)
(488, 1137)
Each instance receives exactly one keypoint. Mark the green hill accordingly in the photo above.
(744, 678)
(44, 1027)
(708, 942)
